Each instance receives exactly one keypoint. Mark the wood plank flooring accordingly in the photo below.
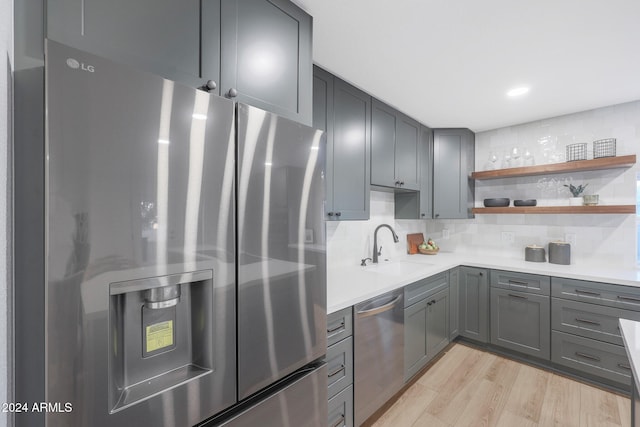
(470, 387)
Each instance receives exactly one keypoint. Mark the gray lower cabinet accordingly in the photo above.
(437, 322)
(453, 162)
(426, 322)
(585, 332)
(600, 359)
(473, 295)
(339, 325)
(454, 303)
(520, 322)
(341, 409)
(256, 51)
(395, 141)
(344, 113)
(415, 338)
(340, 368)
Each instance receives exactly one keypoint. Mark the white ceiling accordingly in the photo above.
(449, 63)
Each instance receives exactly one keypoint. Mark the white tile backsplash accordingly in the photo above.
(600, 239)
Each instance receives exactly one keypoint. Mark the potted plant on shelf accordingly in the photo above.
(576, 200)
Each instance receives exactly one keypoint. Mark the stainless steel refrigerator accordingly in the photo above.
(172, 294)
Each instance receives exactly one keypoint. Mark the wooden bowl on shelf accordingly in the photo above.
(429, 252)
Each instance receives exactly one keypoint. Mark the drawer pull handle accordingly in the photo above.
(517, 296)
(587, 321)
(340, 422)
(622, 297)
(580, 291)
(623, 366)
(337, 328)
(336, 372)
(518, 282)
(588, 356)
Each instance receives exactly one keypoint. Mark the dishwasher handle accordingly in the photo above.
(377, 310)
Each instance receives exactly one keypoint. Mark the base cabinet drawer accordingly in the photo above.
(625, 297)
(524, 282)
(422, 288)
(339, 325)
(589, 320)
(520, 322)
(339, 366)
(598, 358)
(341, 409)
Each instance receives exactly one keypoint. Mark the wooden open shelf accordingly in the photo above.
(580, 165)
(599, 209)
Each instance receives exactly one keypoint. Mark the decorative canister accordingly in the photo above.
(534, 253)
(560, 253)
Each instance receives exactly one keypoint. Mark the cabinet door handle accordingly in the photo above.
(588, 356)
(517, 296)
(337, 328)
(623, 366)
(518, 282)
(338, 213)
(209, 86)
(232, 93)
(624, 298)
(423, 214)
(587, 321)
(341, 421)
(330, 213)
(580, 291)
(481, 274)
(336, 372)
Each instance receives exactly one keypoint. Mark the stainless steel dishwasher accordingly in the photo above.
(378, 353)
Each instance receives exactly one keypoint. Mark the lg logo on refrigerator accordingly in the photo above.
(77, 65)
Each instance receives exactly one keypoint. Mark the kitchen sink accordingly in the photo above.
(396, 268)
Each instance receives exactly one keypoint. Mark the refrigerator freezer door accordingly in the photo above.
(281, 248)
(301, 403)
(140, 295)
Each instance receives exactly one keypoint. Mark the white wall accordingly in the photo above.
(6, 60)
(599, 239)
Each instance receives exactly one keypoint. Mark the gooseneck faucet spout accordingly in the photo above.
(375, 240)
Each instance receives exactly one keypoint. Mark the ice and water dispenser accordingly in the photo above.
(160, 333)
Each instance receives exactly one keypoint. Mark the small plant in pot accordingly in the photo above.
(576, 200)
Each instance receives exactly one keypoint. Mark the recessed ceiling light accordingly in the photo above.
(517, 91)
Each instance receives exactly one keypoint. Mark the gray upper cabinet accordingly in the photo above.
(418, 205)
(426, 173)
(266, 56)
(160, 36)
(473, 294)
(395, 139)
(254, 51)
(344, 113)
(453, 162)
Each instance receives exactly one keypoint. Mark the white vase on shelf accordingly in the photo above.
(575, 201)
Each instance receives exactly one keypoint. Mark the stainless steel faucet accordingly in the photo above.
(375, 240)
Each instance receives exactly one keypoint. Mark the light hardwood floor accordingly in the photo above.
(470, 387)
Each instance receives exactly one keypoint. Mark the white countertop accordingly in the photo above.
(350, 285)
(631, 336)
